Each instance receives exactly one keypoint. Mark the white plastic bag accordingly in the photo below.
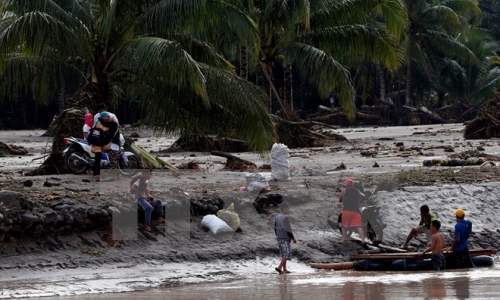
(256, 182)
(215, 224)
(280, 169)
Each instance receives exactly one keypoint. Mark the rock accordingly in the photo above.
(416, 148)
(29, 218)
(429, 154)
(448, 149)
(93, 213)
(104, 213)
(50, 218)
(113, 210)
(11, 200)
(27, 204)
(432, 162)
(60, 207)
(376, 165)
(28, 183)
(480, 148)
(399, 144)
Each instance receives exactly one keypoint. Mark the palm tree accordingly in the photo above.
(469, 82)
(434, 26)
(157, 50)
(313, 37)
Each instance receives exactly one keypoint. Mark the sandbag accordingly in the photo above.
(230, 217)
(280, 169)
(215, 225)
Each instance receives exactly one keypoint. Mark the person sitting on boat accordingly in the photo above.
(351, 215)
(459, 247)
(436, 246)
(423, 227)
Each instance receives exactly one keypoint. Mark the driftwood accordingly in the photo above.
(234, 162)
(6, 149)
(431, 115)
(335, 114)
(487, 123)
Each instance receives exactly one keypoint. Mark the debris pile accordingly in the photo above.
(487, 122)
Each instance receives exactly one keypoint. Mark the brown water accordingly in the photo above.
(481, 283)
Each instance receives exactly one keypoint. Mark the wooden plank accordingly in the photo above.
(333, 266)
(391, 249)
(417, 255)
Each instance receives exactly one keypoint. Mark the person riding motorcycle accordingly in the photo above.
(351, 215)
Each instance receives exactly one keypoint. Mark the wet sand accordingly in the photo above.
(462, 284)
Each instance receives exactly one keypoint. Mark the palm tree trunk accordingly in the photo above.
(408, 85)
(382, 81)
(61, 89)
(243, 62)
(288, 94)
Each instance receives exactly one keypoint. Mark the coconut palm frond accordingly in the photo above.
(328, 75)
(162, 60)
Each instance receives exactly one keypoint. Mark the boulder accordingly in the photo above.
(11, 200)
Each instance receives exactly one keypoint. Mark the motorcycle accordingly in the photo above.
(372, 222)
(78, 158)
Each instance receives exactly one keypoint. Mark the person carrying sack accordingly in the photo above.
(100, 138)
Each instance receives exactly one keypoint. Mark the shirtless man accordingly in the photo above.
(436, 246)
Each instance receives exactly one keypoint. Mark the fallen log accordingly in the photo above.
(13, 149)
(359, 115)
(231, 157)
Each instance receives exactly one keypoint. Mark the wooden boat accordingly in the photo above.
(409, 261)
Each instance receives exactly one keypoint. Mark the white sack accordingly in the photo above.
(280, 169)
(215, 224)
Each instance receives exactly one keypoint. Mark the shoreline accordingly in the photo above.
(312, 189)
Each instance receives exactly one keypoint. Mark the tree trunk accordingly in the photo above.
(243, 62)
(288, 94)
(61, 89)
(381, 73)
(408, 85)
(266, 86)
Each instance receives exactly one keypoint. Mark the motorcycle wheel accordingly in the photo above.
(75, 165)
(375, 232)
(131, 168)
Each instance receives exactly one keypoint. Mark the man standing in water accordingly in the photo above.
(459, 247)
(284, 234)
(436, 246)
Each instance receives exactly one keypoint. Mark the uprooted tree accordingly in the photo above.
(487, 122)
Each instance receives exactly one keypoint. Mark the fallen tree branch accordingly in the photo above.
(230, 156)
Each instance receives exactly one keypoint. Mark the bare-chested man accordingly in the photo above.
(436, 246)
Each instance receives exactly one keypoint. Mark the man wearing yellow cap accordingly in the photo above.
(459, 247)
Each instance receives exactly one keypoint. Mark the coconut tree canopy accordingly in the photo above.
(159, 51)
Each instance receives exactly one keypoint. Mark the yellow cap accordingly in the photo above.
(459, 213)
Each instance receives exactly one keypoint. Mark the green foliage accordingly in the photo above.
(160, 51)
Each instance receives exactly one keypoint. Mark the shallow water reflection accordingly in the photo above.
(347, 285)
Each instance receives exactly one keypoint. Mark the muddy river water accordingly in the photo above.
(480, 283)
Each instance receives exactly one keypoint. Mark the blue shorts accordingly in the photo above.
(438, 262)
